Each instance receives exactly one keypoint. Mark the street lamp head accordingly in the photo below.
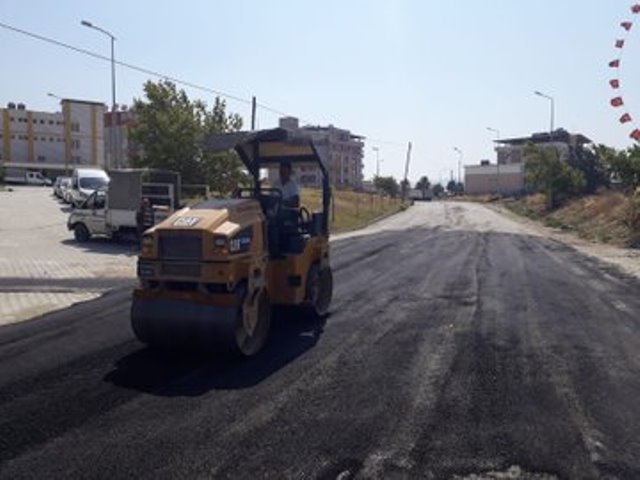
(87, 24)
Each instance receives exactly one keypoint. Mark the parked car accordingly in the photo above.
(60, 185)
(84, 182)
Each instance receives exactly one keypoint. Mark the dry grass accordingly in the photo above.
(607, 217)
(351, 210)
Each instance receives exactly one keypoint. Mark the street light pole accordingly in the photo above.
(553, 108)
(114, 150)
(497, 132)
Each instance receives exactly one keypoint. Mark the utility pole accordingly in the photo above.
(460, 156)
(377, 150)
(253, 113)
(497, 132)
(406, 174)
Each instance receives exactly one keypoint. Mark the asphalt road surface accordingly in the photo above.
(459, 346)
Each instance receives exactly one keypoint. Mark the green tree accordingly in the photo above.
(438, 189)
(624, 166)
(593, 162)
(452, 186)
(546, 173)
(168, 134)
(387, 185)
(423, 184)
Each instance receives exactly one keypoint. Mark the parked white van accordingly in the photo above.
(85, 181)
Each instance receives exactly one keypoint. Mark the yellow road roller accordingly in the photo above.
(210, 274)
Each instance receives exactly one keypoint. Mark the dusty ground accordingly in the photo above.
(460, 345)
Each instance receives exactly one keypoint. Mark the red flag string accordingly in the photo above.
(626, 118)
(617, 102)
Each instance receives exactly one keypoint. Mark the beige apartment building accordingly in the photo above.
(52, 142)
(345, 152)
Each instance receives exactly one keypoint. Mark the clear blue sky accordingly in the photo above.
(433, 72)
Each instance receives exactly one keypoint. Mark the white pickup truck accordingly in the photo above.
(25, 177)
(112, 211)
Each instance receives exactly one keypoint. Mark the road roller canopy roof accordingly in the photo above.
(267, 148)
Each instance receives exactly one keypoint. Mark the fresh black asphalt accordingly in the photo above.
(448, 354)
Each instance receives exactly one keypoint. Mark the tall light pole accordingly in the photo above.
(553, 108)
(114, 154)
(460, 156)
(497, 133)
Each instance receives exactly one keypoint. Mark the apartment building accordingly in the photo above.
(507, 176)
(345, 152)
(52, 142)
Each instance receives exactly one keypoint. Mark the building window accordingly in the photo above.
(42, 158)
(75, 144)
(51, 139)
(50, 122)
(41, 122)
(75, 127)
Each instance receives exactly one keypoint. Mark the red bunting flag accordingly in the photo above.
(614, 64)
(619, 43)
(614, 83)
(626, 118)
(626, 25)
(635, 8)
(635, 135)
(617, 102)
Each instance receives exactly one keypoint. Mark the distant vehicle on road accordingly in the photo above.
(85, 181)
(60, 186)
(112, 210)
(421, 195)
(22, 176)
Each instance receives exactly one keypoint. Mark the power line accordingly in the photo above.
(154, 73)
(124, 64)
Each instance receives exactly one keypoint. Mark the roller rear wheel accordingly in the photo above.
(319, 290)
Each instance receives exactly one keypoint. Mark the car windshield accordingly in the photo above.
(92, 183)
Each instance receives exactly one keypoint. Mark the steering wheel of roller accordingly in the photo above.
(304, 216)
